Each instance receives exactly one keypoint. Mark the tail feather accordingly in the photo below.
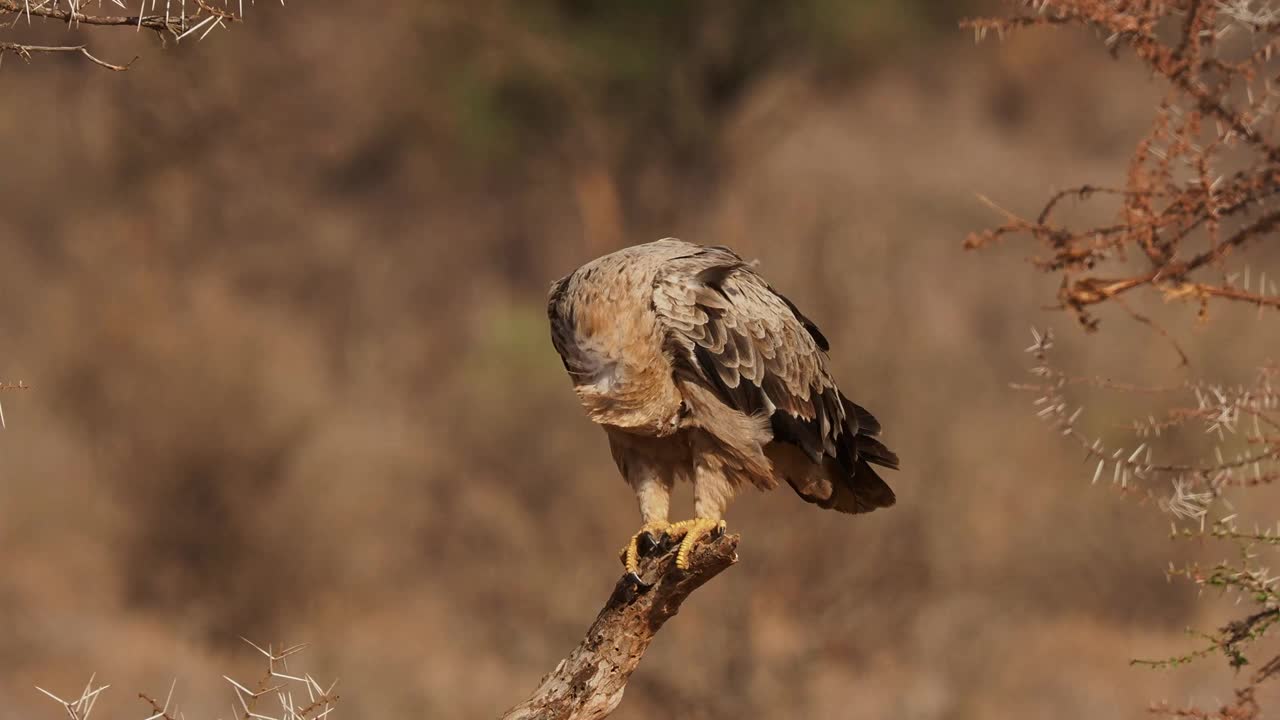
(874, 451)
(866, 422)
(848, 483)
(861, 493)
(866, 431)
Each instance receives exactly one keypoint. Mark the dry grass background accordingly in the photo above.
(281, 305)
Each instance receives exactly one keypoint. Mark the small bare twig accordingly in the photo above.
(10, 386)
(25, 52)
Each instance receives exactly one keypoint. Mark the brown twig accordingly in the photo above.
(588, 684)
(25, 52)
(161, 711)
(7, 385)
(1183, 360)
(150, 22)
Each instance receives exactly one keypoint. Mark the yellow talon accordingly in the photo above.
(630, 554)
(693, 531)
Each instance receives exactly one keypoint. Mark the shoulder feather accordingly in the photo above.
(730, 331)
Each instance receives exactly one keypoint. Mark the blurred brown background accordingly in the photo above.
(281, 297)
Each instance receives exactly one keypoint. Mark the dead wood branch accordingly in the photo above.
(588, 684)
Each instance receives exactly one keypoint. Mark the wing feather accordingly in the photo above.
(728, 330)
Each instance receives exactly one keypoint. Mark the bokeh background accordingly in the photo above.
(280, 295)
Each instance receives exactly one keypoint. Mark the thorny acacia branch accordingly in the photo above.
(1242, 425)
(1199, 195)
(1188, 205)
(588, 684)
(167, 18)
(75, 16)
(312, 701)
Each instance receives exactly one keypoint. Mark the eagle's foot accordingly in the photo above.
(693, 531)
(651, 539)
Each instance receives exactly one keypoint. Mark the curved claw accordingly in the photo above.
(693, 531)
(635, 580)
(648, 544)
(658, 538)
(653, 537)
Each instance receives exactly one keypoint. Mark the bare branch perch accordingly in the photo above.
(588, 684)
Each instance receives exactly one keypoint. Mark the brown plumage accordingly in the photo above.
(699, 370)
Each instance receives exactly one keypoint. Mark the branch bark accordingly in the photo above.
(41, 10)
(588, 684)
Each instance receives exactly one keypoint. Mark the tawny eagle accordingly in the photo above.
(699, 370)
